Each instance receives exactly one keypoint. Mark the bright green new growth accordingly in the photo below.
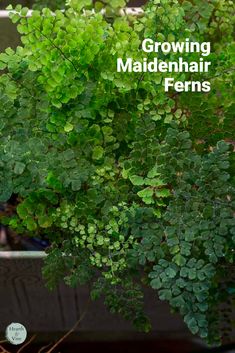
(130, 183)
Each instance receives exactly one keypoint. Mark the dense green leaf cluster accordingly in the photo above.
(132, 185)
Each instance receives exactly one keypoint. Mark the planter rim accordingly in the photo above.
(128, 10)
(22, 254)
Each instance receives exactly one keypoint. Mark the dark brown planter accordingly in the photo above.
(25, 299)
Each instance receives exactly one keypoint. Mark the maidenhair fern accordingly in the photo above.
(130, 183)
